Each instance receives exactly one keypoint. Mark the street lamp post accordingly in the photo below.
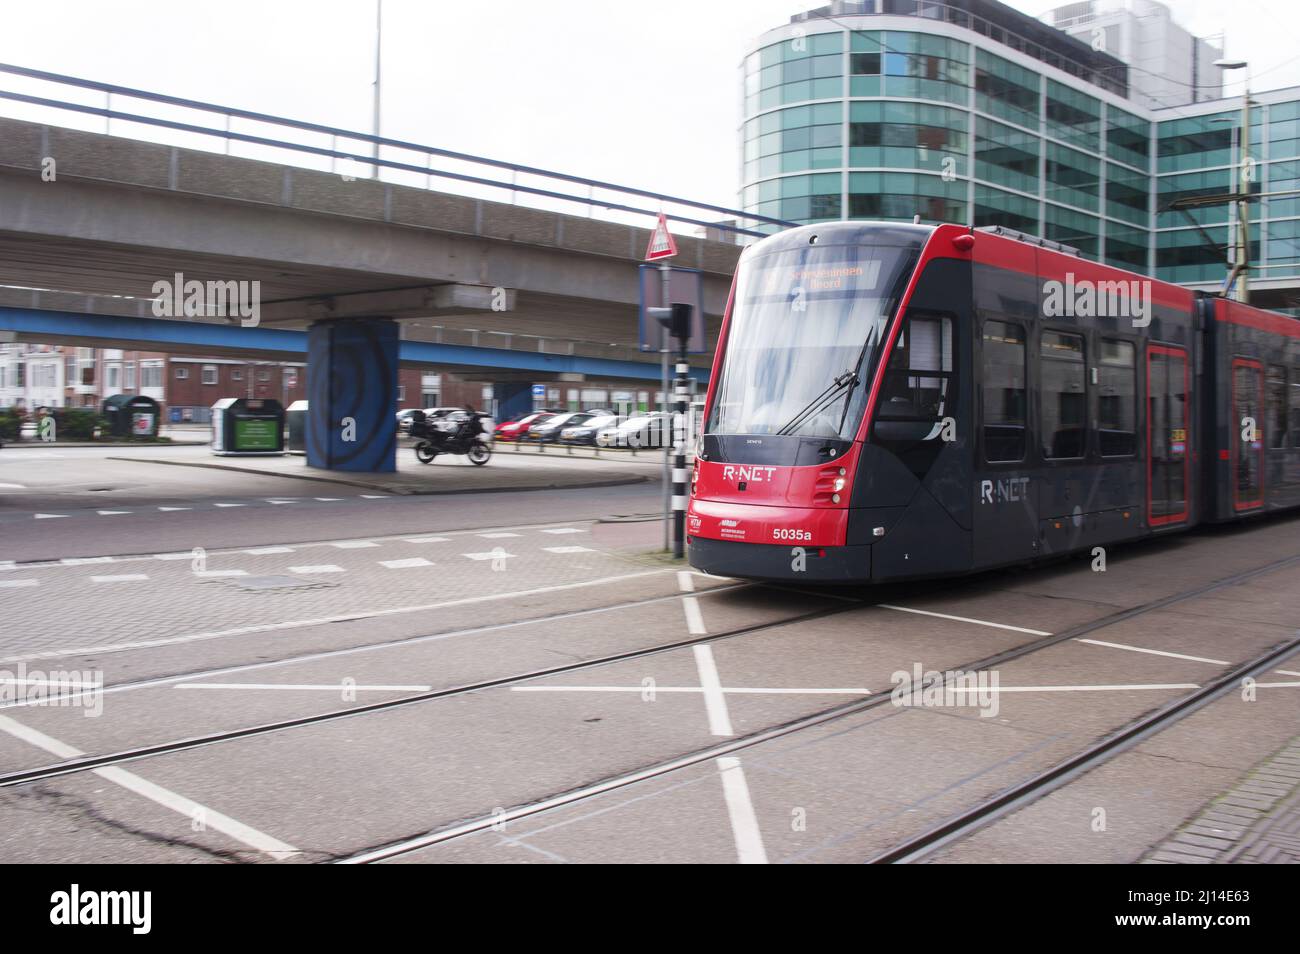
(1244, 178)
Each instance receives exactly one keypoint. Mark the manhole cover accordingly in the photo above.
(275, 583)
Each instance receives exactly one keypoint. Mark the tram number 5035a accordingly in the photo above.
(781, 533)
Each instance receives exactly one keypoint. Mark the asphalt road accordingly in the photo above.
(544, 686)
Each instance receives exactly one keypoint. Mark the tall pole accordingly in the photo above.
(1243, 201)
(379, 45)
(681, 385)
(666, 277)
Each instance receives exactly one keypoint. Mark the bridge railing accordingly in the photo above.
(354, 154)
(541, 344)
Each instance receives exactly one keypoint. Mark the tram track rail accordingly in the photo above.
(90, 762)
(703, 755)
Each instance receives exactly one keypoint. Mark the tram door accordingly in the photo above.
(1168, 450)
(1247, 437)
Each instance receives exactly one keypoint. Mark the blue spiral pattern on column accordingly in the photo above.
(352, 374)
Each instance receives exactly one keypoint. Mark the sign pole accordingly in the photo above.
(666, 275)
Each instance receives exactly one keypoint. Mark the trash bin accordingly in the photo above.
(247, 427)
(132, 415)
(297, 417)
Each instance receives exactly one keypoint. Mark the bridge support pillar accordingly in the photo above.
(352, 395)
(513, 398)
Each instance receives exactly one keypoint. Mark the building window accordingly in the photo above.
(236, 374)
(264, 375)
(182, 373)
(401, 394)
(1004, 392)
(130, 376)
(1275, 426)
(151, 374)
(1064, 412)
(209, 374)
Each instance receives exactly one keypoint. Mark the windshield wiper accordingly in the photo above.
(841, 382)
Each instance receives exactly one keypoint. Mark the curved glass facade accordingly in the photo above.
(853, 118)
(891, 124)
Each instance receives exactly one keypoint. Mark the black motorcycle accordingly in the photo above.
(453, 434)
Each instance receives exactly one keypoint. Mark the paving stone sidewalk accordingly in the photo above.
(1256, 822)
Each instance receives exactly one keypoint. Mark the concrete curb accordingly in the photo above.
(57, 444)
(399, 491)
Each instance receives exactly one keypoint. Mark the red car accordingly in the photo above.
(515, 430)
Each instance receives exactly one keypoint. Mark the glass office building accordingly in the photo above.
(970, 112)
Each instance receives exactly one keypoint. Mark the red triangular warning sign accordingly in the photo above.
(661, 242)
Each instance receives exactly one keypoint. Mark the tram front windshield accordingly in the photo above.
(805, 329)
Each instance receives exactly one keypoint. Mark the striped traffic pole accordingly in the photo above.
(681, 385)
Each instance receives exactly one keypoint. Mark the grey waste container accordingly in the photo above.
(297, 418)
(132, 415)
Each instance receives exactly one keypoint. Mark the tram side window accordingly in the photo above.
(1275, 425)
(1004, 391)
(915, 392)
(1294, 406)
(1117, 398)
(1064, 410)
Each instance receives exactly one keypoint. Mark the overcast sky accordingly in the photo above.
(645, 94)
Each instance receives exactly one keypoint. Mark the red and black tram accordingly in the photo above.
(894, 401)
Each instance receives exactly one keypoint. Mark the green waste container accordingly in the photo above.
(247, 427)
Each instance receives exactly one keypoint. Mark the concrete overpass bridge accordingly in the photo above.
(357, 273)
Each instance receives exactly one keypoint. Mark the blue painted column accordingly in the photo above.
(512, 398)
(352, 395)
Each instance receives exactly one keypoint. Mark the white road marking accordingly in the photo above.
(1111, 688)
(7, 564)
(78, 561)
(170, 509)
(112, 513)
(715, 703)
(353, 544)
(120, 578)
(323, 687)
(263, 551)
(1153, 652)
(219, 573)
(374, 496)
(497, 536)
(405, 564)
(694, 619)
(12, 584)
(490, 555)
(328, 499)
(568, 549)
(156, 793)
(740, 808)
(294, 500)
(685, 582)
(229, 505)
(963, 619)
(1277, 685)
(426, 539)
(564, 530)
(325, 620)
(321, 568)
(1286, 672)
(13, 486)
(48, 516)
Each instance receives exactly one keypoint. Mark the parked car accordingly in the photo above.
(549, 430)
(404, 416)
(644, 430)
(585, 433)
(518, 428)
